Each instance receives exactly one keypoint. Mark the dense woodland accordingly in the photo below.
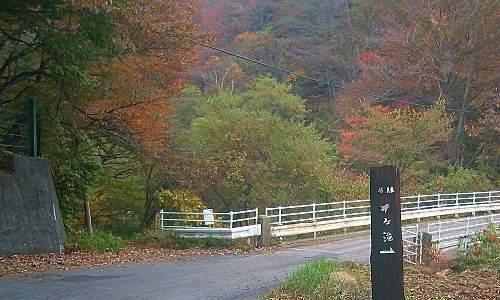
(135, 115)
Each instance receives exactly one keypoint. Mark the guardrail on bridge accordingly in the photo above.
(312, 218)
(230, 225)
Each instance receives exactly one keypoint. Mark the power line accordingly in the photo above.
(379, 98)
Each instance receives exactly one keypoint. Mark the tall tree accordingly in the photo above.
(438, 50)
(403, 137)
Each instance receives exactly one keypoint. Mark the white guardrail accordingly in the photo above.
(412, 246)
(231, 225)
(299, 219)
(447, 234)
(316, 217)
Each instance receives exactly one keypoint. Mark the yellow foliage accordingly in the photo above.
(182, 200)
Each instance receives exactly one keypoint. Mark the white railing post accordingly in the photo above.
(456, 201)
(474, 198)
(418, 202)
(489, 197)
(343, 209)
(314, 217)
(314, 212)
(231, 218)
(161, 219)
(420, 247)
(256, 216)
(439, 200)
(279, 214)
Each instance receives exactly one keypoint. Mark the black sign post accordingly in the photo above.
(387, 248)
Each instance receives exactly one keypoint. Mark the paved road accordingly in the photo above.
(213, 277)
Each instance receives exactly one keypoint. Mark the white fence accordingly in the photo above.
(231, 225)
(312, 218)
(412, 246)
(447, 234)
(282, 215)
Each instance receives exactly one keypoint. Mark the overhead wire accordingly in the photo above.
(379, 98)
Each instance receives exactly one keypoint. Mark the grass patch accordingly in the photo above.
(99, 241)
(325, 279)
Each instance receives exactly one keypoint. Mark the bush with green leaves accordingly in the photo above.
(152, 238)
(208, 243)
(99, 241)
(483, 252)
(459, 179)
(256, 149)
(171, 241)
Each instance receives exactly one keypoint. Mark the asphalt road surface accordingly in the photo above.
(212, 277)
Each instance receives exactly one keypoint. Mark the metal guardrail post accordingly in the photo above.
(256, 216)
(456, 201)
(439, 200)
(314, 212)
(489, 197)
(343, 209)
(314, 216)
(231, 220)
(161, 219)
(418, 205)
(279, 214)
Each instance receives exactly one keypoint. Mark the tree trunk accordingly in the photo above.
(461, 119)
(88, 216)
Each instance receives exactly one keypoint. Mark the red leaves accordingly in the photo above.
(368, 57)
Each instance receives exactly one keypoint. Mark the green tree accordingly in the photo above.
(403, 137)
(255, 150)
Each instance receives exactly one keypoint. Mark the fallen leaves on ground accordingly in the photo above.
(478, 285)
(26, 264)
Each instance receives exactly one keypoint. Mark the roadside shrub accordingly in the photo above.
(185, 243)
(153, 238)
(461, 180)
(100, 241)
(171, 241)
(484, 253)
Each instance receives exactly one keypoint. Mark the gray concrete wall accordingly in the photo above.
(30, 219)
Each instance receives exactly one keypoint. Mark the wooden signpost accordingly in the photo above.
(386, 240)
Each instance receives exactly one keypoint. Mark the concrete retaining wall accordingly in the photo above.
(30, 219)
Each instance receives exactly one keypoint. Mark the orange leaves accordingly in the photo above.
(134, 98)
(134, 93)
